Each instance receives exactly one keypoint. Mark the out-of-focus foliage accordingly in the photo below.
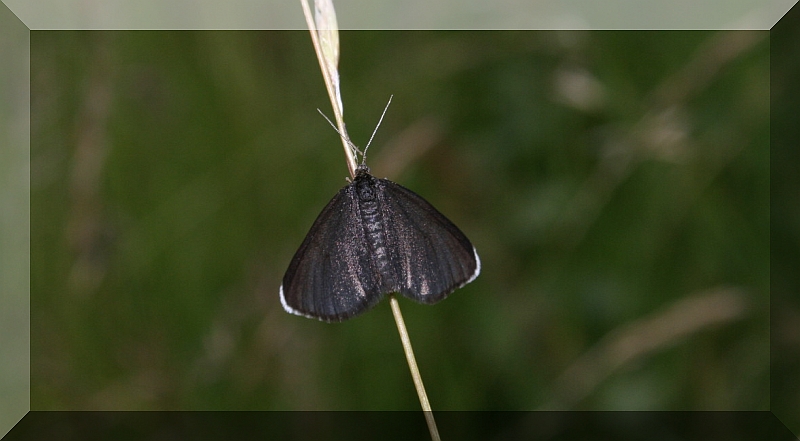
(615, 184)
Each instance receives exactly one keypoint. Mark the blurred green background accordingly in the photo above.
(615, 184)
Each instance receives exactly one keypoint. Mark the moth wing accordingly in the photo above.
(330, 277)
(434, 258)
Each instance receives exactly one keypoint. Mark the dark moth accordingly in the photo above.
(374, 238)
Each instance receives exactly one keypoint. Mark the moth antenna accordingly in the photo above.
(347, 139)
(364, 155)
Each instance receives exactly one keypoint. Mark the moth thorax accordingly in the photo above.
(365, 188)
